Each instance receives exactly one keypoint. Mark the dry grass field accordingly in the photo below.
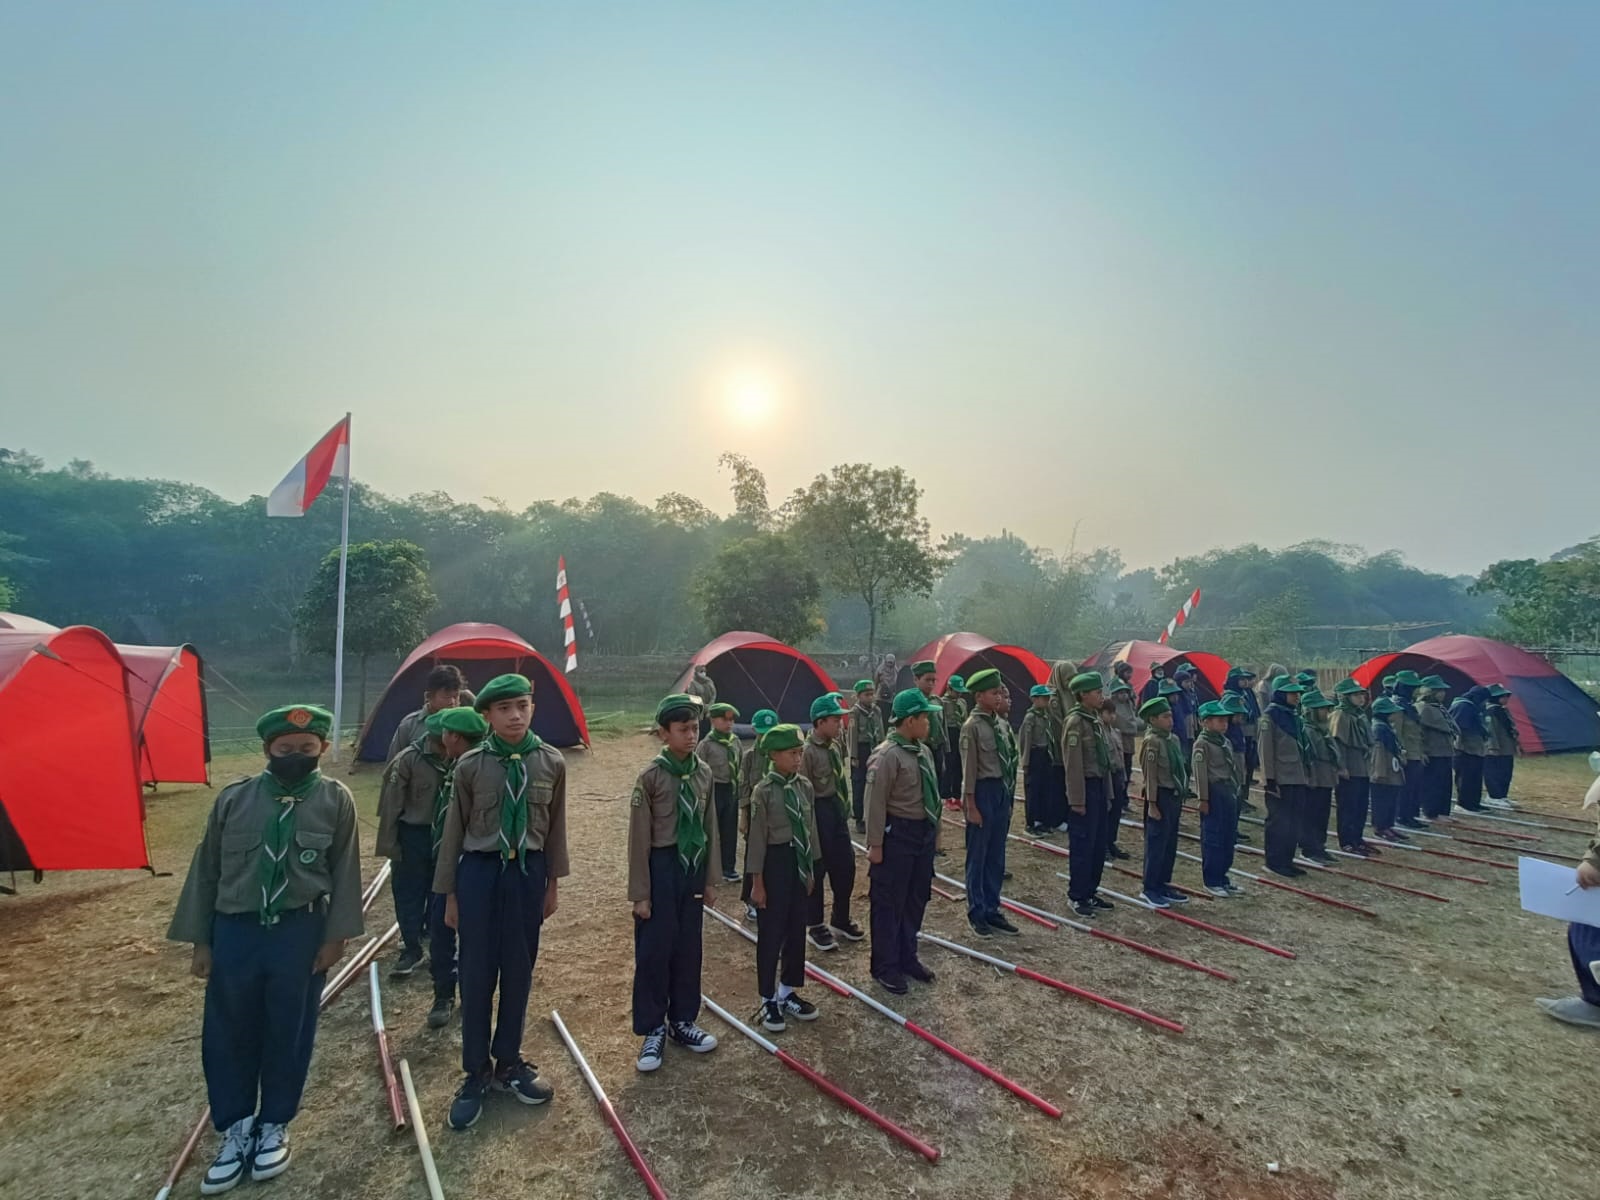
(1395, 1058)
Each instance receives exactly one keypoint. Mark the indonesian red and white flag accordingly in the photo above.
(306, 479)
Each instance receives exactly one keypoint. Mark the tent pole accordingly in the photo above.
(338, 637)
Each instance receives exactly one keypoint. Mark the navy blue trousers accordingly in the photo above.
(500, 910)
(411, 882)
(1437, 783)
(1411, 792)
(1219, 828)
(1469, 781)
(1583, 944)
(1385, 798)
(1350, 803)
(725, 802)
(781, 925)
(837, 866)
(1119, 800)
(900, 887)
(1497, 775)
(1087, 834)
(666, 948)
(858, 783)
(260, 1015)
(1161, 842)
(950, 776)
(986, 849)
(1283, 824)
(1314, 813)
(441, 950)
(1039, 781)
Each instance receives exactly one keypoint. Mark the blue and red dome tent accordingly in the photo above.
(1552, 713)
(966, 654)
(753, 671)
(1212, 668)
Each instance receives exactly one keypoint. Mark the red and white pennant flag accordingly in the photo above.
(306, 479)
(569, 636)
(1189, 606)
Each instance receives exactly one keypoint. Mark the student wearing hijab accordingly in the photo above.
(1386, 769)
(1472, 734)
(1264, 688)
(1501, 748)
(1438, 746)
(1314, 709)
(1152, 686)
(1408, 724)
(1286, 773)
(1239, 684)
(1351, 730)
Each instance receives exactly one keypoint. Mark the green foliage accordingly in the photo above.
(749, 492)
(763, 583)
(8, 595)
(861, 527)
(1269, 631)
(1552, 602)
(387, 600)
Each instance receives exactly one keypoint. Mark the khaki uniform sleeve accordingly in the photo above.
(639, 843)
(555, 842)
(1151, 778)
(881, 768)
(391, 799)
(969, 760)
(455, 828)
(399, 741)
(1072, 750)
(197, 904)
(1269, 764)
(755, 845)
(1200, 774)
(709, 817)
(344, 858)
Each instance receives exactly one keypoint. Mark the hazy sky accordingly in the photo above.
(1189, 274)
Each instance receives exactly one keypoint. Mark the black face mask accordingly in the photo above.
(290, 769)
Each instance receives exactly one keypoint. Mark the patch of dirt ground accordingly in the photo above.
(1396, 1058)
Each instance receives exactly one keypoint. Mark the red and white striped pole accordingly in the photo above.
(1383, 862)
(1118, 939)
(1288, 887)
(943, 878)
(1218, 930)
(652, 1185)
(1193, 894)
(826, 1086)
(1182, 616)
(1316, 866)
(569, 637)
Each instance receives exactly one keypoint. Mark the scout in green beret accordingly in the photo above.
(866, 731)
(940, 737)
(781, 862)
(822, 765)
(502, 850)
(1286, 773)
(1386, 768)
(1165, 772)
(1438, 747)
(721, 750)
(1315, 709)
(1089, 785)
(1501, 747)
(272, 895)
(1350, 728)
(673, 834)
(751, 770)
(989, 759)
(411, 805)
(444, 688)
(1218, 775)
(704, 691)
(1039, 741)
(1408, 725)
(955, 708)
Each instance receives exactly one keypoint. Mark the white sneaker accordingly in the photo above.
(271, 1158)
(1502, 805)
(1063, 828)
(650, 1053)
(227, 1169)
(1573, 1010)
(1221, 892)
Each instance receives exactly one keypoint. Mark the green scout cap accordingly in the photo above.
(986, 680)
(1407, 678)
(295, 718)
(865, 685)
(1089, 681)
(1306, 678)
(503, 687)
(1283, 683)
(826, 706)
(780, 737)
(925, 667)
(957, 683)
(464, 721)
(763, 720)
(677, 702)
(1233, 704)
(1212, 708)
(1039, 690)
(1435, 683)
(1121, 685)
(1499, 691)
(1388, 681)
(1168, 688)
(911, 703)
(723, 709)
(1245, 672)
(1347, 687)
(1153, 708)
(1315, 699)
(1383, 706)
(434, 722)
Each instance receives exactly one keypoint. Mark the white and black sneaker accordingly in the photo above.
(751, 913)
(650, 1053)
(849, 931)
(1234, 890)
(821, 937)
(1220, 892)
(227, 1169)
(1502, 805)
(1156, 901)
(410, 959)
(691, 1037)
(798, 1008)
(771, 1014)
(271, 1157)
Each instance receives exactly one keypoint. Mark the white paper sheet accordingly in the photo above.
(1551, 891)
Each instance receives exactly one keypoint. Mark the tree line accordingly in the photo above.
(846, 562)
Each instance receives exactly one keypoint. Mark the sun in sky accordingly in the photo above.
(750, 393)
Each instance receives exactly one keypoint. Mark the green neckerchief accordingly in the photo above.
(1005, 747)
(514, 801)
(692, 840)
(841, 780)
(1322, 742)
(799, 837)
(441, 794)
(935, 728)
(868, 721)
(730, 746)
(1102, 748)
(930, 782)
(1221, 741)
(276, 840)
(1175, 759)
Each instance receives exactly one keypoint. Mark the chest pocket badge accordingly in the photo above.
(308, 857)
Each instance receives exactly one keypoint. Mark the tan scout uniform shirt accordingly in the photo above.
(1352, 733)
(411, 727)
(865, 732)
(1501, 743)
(1127, 714)
(1280, 756)
(1079, 735)
(1038, 732)
(1211, 764)
(1155, 763)
(1410, 730)
(1324, 756)
(1114, 740)
(410, 783)
(1438, 731)
(769, 821)
(653, 822)
(817, 767)
(1382, 766)
(225, 873)
(703, 689)
(894, 788)
(472, 822)
(1470, 741)
(979, 757)
(717, 756)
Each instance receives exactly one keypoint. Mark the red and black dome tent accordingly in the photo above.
(1212, 668)
(965, 653)
(482, 651)
(753, 671)
(168, 690)
(1552, 713)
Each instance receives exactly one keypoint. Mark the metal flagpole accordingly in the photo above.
(338, 637)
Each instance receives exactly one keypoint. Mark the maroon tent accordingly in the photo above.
(1212, 668)
(966, 653)
(753, 671)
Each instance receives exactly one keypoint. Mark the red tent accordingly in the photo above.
(1213, 668)
(167, 684)
(753, 671)
(964, 653)
(1552, 713)
(69, 776)
(482, 651)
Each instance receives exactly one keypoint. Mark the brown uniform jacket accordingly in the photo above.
(769, 821)
(1213, 763)
(1471, 741)
(653, 822)
(817, 766)
(472, 822)
(1114, 736)
(1127, 714)
(1501, 742)
(702, 689)
(410, 783)
(411, 728)
(324, 864)
(865, 732)
(979, 757)
(1383, 767)
(1079, 736)
(894, 787)
(717, 756)
(1324, 756)
(1438, 731)
(1352, 733)
(1155, 762)
(1039, 732)
(1280, 756)
(1410, 730)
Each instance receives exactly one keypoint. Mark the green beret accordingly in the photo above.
(986, 680)
(1347, 687)
(865, 685)
(1434, 683)
(1041, 690)
(677, 702)
(1233, 705)
(1315, 699)
(826, 706)
(503, 687)
(464, 721)
(956, 684)
(1121, 685)
(1383, 706)
(723, 709)
(1213, 708)
(1245, 672)
(925, 667)
(1305, 678)
(1499, 691)
(780, 737)
(1407, 678)
(1154, 707)
(763, 720)
(295, 718)
(1388, 681)
(1284, 684)
(1089, 681)
(1168, 688)
(911, 703)
(434, 722)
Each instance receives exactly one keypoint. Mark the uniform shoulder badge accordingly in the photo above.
(638, 796)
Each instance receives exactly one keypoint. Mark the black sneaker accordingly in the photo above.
(821, 937)
(895, 985)
(1117, 852)
(1241, 839)
(771, 1014)
(849, 931)
(522, 1081)
(439, 1014)
(270, 1157)
(1084, 908)
(980, 927)
(1098, 902)
(916, 970)
(797, 1006)
(751, 913)
(651, 1051)
(1322, 857)
(861, 826)
(1289, 872)
(999, 924)
(1005, 875)
(467, 1106)
(408, 962)
(1174, 896)
(233, 1156)
(1411, 823)
(691, 1037)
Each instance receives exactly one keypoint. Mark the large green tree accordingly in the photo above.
(1552, 602)
(764, 583)
(387, 603)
